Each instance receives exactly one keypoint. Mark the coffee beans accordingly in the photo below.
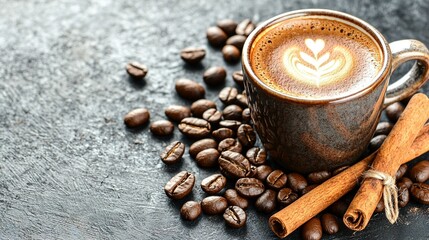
(235, 217)
(262, 172)
(234, 199)
(214, 76)
(136, 70)
(162, 128)
(308, 189)
(216, 36)
(238, 78)
(190, 211)
(267, 201)
(257, 156)
(296, 182)
(276, 179)
(137, 118)
(234, 164)
(212, 115)
(189, 89)
(245, 27)
(245, 115)
(376, 142)
(201, 145)
(230, 144)
(236, 41)
(176, 112)
(401, 171)
(207, 158)
(214, 205)
(403, 195)
(246, 135)
(380, 206)
(312, 229)
(405, 181)
(231, 124)
(231, 53)
(383, 128)
(194, 127)
(228, 95)
(241, 100)
(286, 196)
(232, 112)
(228, 26)
(223, 133)
(318, 177)
(173, 153)
(193, 55)
(420, 192)
(330, 223)
(249, 187)
(420, 171)
(394, 111)
(200, 106)
(180, 185)
(213, 184)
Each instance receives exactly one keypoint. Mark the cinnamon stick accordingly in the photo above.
(388, 160)
(293, 216)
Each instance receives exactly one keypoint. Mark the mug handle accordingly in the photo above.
(402, 51)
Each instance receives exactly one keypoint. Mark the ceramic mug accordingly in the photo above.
(307, 135)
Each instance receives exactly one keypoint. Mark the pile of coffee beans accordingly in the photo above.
(224, 138)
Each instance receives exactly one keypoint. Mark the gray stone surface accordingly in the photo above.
(69, 169)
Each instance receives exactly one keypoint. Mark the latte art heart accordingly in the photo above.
(315, 67)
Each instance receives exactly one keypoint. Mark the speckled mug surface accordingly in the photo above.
(310, 134)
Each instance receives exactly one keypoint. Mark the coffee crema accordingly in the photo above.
(315, 58)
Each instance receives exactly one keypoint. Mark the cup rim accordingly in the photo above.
(344, 17)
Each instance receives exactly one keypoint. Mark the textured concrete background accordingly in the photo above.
(69, 169)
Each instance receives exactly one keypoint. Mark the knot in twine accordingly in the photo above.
(390, 193)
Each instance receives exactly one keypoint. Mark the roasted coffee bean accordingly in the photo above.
(330, 223)
(246, 135)
(190, 211)
(231, 53)
(401, 171)
(403, 195)
(235, 164)
(173, 153)
(214, 205)
(383, 128)
(286, 196)
(262, 172)
(420, 192)
(406, 181)
(339, 208)
(207, 158)
(376, 142)
(194, 127)
(245, 115)
(249, 187)
(230, 144)
(176, 112)
(214, 76)
(235, 217)
(237, 76)
(339, 170)
(394, 111)
(420, 171)
(308, 189)
(212, 115)
(213, 184)
(228, 94)
(137, 118)
(193, 55)
(234, 199)
(216, 36)
(232, 112)
(137, 70)
(222, 133)
(245, 27)
(296, 182)
(253, 171)
(200, 106)
(162, 128)
(318, 177)
(241, 100)
(228, 26)
(201, 145)
(312, 230)
(189, 89)
(276, 179)
(257, 156)
(267, 201)
(236, 41)
(180, 185)
(380, 206)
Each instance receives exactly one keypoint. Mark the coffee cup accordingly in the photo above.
(317, 81)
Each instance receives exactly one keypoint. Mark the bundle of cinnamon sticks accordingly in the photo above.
(408, 139)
